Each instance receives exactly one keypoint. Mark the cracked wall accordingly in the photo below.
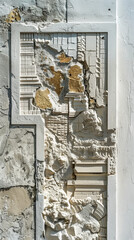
(16, 227)
(17, 184)
(17, 143)
(64, 80)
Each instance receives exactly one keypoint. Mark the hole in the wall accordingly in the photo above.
(109, 9)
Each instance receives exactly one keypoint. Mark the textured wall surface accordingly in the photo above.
(125, 183)
(17, 143)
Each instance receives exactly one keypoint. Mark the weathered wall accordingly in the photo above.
(17, 143)
(17, 159)
(125, 193)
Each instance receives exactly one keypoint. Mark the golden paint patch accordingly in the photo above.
(42, 99)
(92, 102)
(56, 80)
(63, 58)
(13, 16)
(75, 84)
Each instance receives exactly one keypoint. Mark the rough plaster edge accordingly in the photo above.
(109, 28)
(17, 119)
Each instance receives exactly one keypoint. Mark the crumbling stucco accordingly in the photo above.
(17, 144)
(16, 162)
(40, 10)
(79, 150)
(16, 208)
(17, 157)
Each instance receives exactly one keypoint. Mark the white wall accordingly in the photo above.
(125, 68)
(125, 99)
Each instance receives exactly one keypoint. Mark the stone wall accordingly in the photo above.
(17, 150)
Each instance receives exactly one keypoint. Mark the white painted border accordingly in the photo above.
(16, 118)
(34, 120)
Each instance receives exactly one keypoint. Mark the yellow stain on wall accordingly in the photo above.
(56, 80)
(63, 58)
(42, 99)
(13, 16)
(75, 84)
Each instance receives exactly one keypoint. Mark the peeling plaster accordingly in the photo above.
(23, 228)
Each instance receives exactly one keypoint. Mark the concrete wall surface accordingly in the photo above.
(125, 81)
(17, 142)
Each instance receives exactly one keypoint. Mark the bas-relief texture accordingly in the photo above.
(64, 79)
(18, 169)
(17, 143)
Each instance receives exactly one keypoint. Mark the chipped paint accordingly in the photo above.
(13, 16)
(92, 102)
(63, 58)
(75, 84)
(56, 80)
(42, 99)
